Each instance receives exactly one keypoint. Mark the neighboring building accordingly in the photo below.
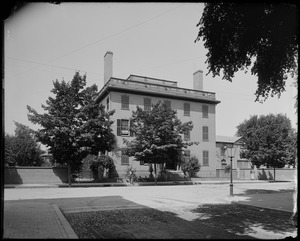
(196, 105)
(234, 146)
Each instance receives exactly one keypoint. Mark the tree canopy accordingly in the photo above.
(270, 140)
(74, 125)
(236, 34)
(22, 148)
(157, 135)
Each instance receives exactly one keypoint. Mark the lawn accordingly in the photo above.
(223, 221)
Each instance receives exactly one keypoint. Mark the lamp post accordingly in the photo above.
(231, 147)
(231, 184)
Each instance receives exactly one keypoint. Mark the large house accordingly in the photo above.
(196, 105)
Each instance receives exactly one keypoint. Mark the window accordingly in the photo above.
(205, 133)
(107, 104)
(187, 135)
(124, 160)
(125, 102)
(205, 158)
(147, 104)
(204, 111)
(123, 127)
(186, 109)
(143, 163)
(168, 103)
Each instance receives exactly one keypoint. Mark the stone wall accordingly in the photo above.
(35, 175)
(281, 174)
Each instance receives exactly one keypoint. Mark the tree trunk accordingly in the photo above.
(274, 174)
(155, 175)
(69, 173)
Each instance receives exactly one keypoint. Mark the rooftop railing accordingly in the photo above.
(156, 88)
(152, 80)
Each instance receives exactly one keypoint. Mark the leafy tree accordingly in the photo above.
(74, 125)
(10, 150)
(22, 149)
(235, 34)
(157, 135)
(269, 140)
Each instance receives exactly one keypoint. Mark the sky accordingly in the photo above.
(45, 42)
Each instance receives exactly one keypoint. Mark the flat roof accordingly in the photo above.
(153, 89)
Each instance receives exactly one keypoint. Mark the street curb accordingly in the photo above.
(276, 209)
(170, 183)
(65, 224)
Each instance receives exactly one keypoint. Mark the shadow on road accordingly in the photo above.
(262, 191)
(239, 219)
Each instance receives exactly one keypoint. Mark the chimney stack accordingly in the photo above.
(108, 66)
(198, 80)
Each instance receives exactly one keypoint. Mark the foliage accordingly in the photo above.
(131, 174)
(157, 135)
(22, 149)
(270, 140)
(74, 125)
(191, 166)
(235, 34)
(87, 161)
(227, 168)
(102, 161)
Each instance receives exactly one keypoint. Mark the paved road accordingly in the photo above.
(38, 206)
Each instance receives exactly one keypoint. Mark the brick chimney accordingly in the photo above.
(108, 66)
(198, 80)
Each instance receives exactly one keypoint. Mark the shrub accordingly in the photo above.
(102, 161)
(227, 168)
(130, 173)
(191, 167)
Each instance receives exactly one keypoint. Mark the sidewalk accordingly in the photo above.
(115, 184)
(35, 220)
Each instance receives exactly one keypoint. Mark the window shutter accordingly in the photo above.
(147, 104)
(186, 109)
(205, 133)
(204, 111)
(118, 127)
(107, 104)
(205, 158)
(130, 126)
(168, 103)
(125, 102)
